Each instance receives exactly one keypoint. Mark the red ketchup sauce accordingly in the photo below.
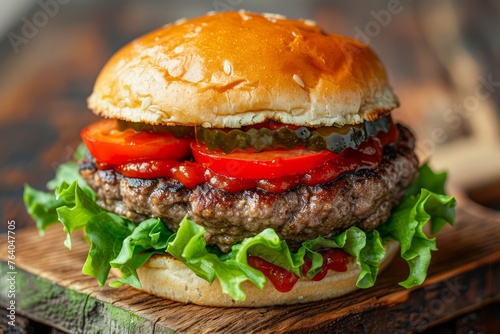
(190, 174)
(284, 280)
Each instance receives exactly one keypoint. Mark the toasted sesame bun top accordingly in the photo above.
(233, 69)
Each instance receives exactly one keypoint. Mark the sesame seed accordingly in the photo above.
(174, 67)
(244, 15)
(298, 80)
(212, 12)
(161, 113)
(274, 16)
(228, 68)
(180, 21)
(154, 108)
(310, 23)
(179, 49)
(146, 103)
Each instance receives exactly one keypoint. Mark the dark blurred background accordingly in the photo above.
(443, 60)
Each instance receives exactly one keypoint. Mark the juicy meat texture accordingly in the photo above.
(363, 198)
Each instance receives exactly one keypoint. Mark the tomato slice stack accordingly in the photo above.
(261, 165)
(109, 145)
(147, 155)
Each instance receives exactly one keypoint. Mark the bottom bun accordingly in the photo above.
(167, 277)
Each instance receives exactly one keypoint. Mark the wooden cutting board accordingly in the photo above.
(464, 275)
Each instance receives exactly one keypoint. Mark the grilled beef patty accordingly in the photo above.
(363, 198)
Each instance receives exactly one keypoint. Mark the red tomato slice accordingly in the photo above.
(262, 165)
(109, 145)
(188, 173)
(148, 169)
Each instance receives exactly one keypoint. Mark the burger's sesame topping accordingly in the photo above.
(179, 49)
(180, 21)
(273, 16)
(298, 80)
(310, 23)
(193, 33)
(154, 108)
(174, 67)
(161, 113)
(228, 68)
(244, 15)
(146, 103)
(212, 12)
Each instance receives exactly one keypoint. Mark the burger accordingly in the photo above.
(246, 160)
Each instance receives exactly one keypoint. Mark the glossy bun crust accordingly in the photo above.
(167, 277)
(233, 69)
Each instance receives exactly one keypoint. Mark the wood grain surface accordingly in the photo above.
(463, 276)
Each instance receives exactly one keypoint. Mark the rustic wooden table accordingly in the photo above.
(46, 77)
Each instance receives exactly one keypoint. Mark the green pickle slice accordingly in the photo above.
(334, 139)
(177, 131)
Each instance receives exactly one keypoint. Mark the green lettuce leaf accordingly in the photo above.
(352, 241)
(106, 232)
(117, 242)
(67, 173)
(41, 206)
(406, 225)
(369, 259)
(270, 247)
(189, 246)
(148, 238)
(77, 210)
